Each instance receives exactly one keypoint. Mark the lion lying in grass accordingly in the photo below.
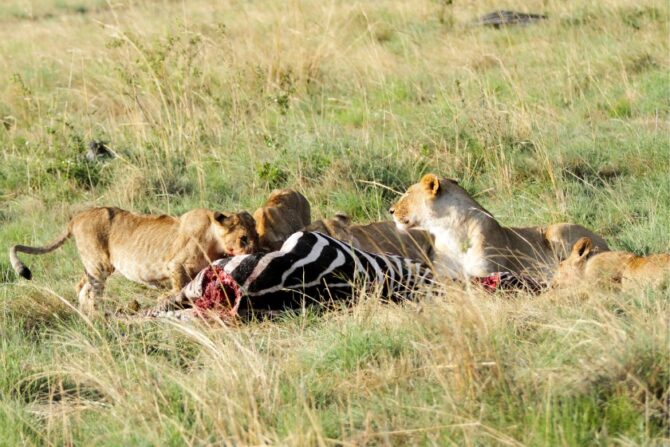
(338, 227)
(377, 237)
(470, 242)
(611, 269)
(146, 249)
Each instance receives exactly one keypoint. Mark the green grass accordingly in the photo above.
(213, 105)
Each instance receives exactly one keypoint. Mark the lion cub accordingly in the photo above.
(285, 212)
(145, 248)
(587, 266)
(470, 242)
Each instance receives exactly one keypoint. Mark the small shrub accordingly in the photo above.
(620, 108)
(271, 174)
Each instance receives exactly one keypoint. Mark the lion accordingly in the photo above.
(285, 212)
(470, 242)
(377, 237)
(338, 227)
(384, 237)
(586, 265)
(148, 249)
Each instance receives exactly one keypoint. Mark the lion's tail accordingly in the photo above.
(19, 267)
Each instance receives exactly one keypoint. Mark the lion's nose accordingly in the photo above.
(392, 210)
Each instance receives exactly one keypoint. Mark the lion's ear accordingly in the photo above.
(342, 218)
(244, 215)
(246, 219)
(431, 184)
(582, 248)
(220, 217)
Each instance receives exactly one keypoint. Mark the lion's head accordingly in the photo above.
(236, 232)
(427, 200)
(571, 270)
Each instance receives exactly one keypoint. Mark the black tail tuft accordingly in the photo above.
(25, 272)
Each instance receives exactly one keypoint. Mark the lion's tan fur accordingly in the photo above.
(587, 266)
(384, 237)
(146, 248)
(285, 212)
(338, 227)
(470, 242)
(378, 237)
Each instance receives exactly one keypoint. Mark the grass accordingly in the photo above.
(214, 104)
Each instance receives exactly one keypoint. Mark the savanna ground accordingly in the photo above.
(215, 103)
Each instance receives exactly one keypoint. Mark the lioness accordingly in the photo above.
(587, 266)
(285, 212)
(469, 241)
(377, 237)
(147, 249)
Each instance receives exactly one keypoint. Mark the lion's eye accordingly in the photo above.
(244, 240)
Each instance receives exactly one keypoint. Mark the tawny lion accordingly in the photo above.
(587, 266)
(145, 248)
(470, 242)
(378, 237)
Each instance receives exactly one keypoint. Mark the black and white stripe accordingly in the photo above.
(311, 266)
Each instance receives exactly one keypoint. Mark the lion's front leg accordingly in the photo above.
(179, 277)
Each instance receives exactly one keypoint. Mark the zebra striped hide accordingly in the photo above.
(309, 267)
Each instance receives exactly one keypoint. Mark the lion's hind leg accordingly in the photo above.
(94, 254)
(92, 286)
(82, 282)
(86, 302)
